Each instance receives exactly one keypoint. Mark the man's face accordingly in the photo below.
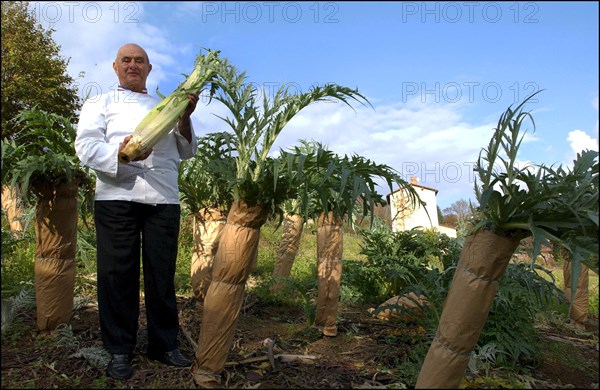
(132, 67)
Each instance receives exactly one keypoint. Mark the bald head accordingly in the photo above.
(132, 67)
(132, 46)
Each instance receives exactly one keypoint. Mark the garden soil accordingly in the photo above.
(273, 349)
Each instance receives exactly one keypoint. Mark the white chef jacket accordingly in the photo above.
(104, 121)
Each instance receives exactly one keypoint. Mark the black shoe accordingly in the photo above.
(120, 366)
(171, 358)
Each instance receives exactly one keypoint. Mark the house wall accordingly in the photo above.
(406, 218)
(447, 231)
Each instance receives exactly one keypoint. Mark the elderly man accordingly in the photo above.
(136, 212)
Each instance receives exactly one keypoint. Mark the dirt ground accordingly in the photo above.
(364, 354)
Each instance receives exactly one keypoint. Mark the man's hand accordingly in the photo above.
(140, 157)
(193, 98)
(185, 123)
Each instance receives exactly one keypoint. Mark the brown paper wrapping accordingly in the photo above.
(288, 249)
(237, 250)
(55, 249)
(330, 240)
(483, 260)
(54, 290)
(208, 225)
(580, 308)
(11, 202)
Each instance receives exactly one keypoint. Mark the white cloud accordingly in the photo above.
(580, 140)
(430, 141)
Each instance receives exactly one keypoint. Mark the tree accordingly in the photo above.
(440, 215)
(458, 216)
(461, 209)
(33, 72)
(450, 221)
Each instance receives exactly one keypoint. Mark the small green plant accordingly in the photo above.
(307, 294)
(409, 369)
(97, 357)
(13, 305)
(184, 255)
(18, 260)
(66, 338)
(100, 383)
(294, 292)
(86, 249)
(510, 327)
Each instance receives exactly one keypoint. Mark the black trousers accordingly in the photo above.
(123, 229)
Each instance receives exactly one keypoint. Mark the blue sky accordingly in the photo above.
(438, 74)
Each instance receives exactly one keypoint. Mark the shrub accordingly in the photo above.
(522, 294)
(396, 260)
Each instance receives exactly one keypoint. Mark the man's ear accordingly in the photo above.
(149, 68)
(115, 66)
